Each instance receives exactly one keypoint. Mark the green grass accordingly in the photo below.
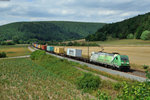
(23, 79)
(65, 70)
(114, 77)
(61, 67)
(15, 50)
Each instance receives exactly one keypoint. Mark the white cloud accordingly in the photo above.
(75, 10)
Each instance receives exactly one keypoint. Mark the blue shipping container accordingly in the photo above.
(37, 45)
(50, 48)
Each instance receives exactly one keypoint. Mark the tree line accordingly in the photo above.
(133, 28)
(47, 30)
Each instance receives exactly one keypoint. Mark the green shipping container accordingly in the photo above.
(50, 48)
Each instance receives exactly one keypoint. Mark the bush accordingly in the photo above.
(2, 54)
(138, 91)
(102, 96)
(145, 35)
(117, 86)
(37, 54)
(7, 43)
(145, 66)
(88, 82)
(10, 43)
(130, 36)
(110, 37)
(148, 77)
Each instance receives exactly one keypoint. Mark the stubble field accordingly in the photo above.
(15, 50)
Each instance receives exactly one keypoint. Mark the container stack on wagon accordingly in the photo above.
(39, 46)
(59, 50)
(50, 48)
(36, 46)
(74, 52)
(44, 47)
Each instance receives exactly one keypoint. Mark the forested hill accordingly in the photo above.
(48, 30)
(132, 27)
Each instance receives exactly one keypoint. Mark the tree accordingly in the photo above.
(130, 36)
(16, 39)
(70, 44)
(145, 35)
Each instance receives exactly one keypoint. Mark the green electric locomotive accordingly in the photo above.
(111, 59)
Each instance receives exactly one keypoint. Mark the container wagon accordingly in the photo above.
(36, 46)
(111, 59)
(59, 50)
(74, 52)
(44, 47)
(50, 48)
(39, 46)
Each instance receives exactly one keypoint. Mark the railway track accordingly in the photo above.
(131, 74)
(137, 73)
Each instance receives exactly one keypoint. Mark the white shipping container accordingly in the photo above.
(74, 52)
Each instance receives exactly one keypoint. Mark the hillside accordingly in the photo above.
(48, 30)
(121, 30)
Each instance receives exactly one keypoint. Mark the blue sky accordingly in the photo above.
(106, 11)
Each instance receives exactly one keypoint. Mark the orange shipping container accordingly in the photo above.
(34, 45)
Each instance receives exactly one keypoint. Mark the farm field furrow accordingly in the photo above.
(23, 79)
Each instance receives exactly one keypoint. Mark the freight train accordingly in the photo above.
(113, 60)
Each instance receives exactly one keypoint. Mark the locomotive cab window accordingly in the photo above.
(116, 58)
(124, 59)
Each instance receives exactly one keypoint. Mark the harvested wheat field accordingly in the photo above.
(138, 55)
(13, 51)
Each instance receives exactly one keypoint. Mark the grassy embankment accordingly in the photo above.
(15, 50)
(137, 50)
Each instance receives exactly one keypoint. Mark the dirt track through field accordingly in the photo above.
(16, 57)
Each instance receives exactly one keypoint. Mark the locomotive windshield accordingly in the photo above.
(124, 59)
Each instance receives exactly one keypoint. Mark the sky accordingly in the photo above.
(105, 11)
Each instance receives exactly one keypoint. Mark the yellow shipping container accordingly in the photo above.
(39, 46)
(59, 50)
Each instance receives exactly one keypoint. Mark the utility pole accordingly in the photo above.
(88, 49)
(102, 48)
